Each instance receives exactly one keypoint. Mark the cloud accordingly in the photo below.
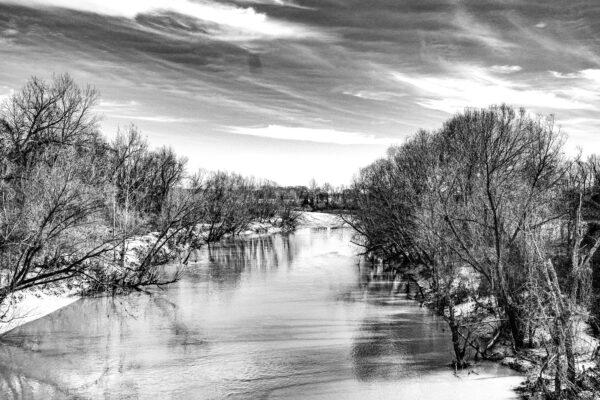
(506, 69)
(473, 86)
(5, 93)
(560, 75)
(589, 74)
(387, 71)
(156, 118)
(582, 85)
(374, 95)
(579, 122)
(281, 3)
(311, 135)
(584, 130)
(473, 28)
(117, 105)
(233, 23)
(10, 32)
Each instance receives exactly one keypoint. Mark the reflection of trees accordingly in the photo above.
(390, 346)
(45, 353)
(20, 380)
(379, 350)
(94, 346)
(95, 341)
(226, 261)
(89, 346)
(397, 345)
(374, 285)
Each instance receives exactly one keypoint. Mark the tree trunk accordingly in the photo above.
(514, 324)
(459, 353)
(530, 334)
(569, 351)
(558, 376)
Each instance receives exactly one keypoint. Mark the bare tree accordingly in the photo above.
(49, 227)
(50, 198)
(45, 115)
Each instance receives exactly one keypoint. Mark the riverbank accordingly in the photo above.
(31, 304)
(307, 219)
(535, 362)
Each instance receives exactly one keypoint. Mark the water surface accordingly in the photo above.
(274, 317)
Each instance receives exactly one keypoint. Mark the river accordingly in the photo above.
(274, 317)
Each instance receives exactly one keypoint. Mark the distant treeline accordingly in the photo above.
(107, 213)
(315, 197)
(502, 225)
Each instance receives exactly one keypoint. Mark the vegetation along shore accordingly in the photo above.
(500, 229)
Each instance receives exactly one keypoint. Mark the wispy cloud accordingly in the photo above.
(156, 118)
(469, 27)
(583, 85)
(592, 75)
(107, 105)
(473, 86)
(374, 95)
(506, 69)
(229, 21)
(317, 135)
(10, 32)
(287, 77)
(560, 75)
(282, 3)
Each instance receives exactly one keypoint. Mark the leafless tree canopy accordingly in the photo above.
(75, 206)
(501, 220)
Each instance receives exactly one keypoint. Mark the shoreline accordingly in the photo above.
(529, 362)
(32, 304)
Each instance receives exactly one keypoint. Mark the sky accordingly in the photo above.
(291, 90)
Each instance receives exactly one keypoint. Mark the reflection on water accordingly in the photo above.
(283, 316)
